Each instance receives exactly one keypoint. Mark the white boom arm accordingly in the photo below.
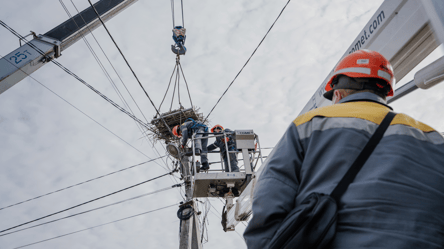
(405, 32)
(25, 60)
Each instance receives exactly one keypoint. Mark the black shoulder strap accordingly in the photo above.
(362, 158)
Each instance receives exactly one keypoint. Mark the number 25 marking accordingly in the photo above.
(18, 57)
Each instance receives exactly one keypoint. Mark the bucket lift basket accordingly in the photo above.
(217, 182)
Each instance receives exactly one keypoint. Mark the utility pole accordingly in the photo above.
(189, 228)
(25, 60)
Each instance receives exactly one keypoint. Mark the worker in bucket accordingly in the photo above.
(220, 143)
(396, 199)
(186, 131)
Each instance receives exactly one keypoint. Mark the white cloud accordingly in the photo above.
(45, 144)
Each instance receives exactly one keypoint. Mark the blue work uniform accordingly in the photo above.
(188, 129)
(220, 143)
(397, 198)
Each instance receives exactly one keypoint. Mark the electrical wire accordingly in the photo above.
(99, 62)
(94, 209)
(109, 77)
(103, 67)
(78, 184)
(78, 78)
(213, 212)
(118, 75)
(127, 63)
(81, 204)
(89, 228)
(47, 88)
(247, 60)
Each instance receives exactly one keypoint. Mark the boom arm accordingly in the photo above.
(25, 60)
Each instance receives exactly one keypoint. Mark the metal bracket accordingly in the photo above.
(32, 33)
(52, 41)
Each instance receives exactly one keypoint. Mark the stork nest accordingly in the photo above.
(160, 124)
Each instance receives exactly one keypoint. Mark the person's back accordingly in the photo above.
(396, 199)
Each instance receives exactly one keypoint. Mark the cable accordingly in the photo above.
(127, 63)
(107, 74)
(168, 88)
(94, 209)
(89, 228)
(188, 90)
(213, 212)
(110, 80)
(101, 197)
(78, 78)
(247, 60)
(77, 109)
(183, 22)
(100, 63)
(172, 11)
(84, 113)
(79, 183)
(138, 125)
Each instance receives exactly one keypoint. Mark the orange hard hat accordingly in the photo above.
(176, 131)
(365, 64)
(217, 126)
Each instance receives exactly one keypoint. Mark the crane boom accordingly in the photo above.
(25, 60)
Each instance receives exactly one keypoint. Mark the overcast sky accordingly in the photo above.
(46, 144)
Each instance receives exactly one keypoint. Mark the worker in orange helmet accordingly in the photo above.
(186, 131)
(397, 197)
(220, 143)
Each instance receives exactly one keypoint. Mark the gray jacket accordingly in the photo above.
(396, 200)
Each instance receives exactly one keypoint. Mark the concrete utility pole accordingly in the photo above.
(189, 228)
(25, 60)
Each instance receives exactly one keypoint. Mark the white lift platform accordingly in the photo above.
(217, 182)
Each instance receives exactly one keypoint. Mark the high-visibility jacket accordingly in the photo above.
(395, 201)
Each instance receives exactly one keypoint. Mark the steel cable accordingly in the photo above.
(135, 76)
(247, 60)
(81, 204)
(78, 78)
(118, 75)
(94, 209)
(89, 228)
(78, 184)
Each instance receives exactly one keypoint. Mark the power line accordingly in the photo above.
(101, 197)
(118, 75)
(106, 72)
(110, 80)
(94, 209)
(78, 78)
(47, 88)
(83, 82)
(89, 228)
(127, 63)
(79, 183)
(248, 59)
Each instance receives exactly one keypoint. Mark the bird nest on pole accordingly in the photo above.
(160, 124)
